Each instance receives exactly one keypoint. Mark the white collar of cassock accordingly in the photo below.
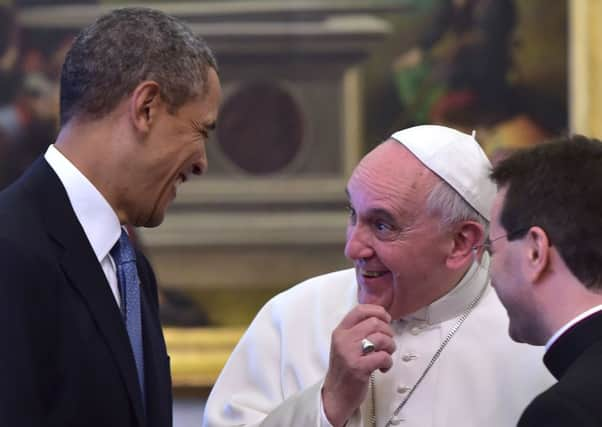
(455, 301)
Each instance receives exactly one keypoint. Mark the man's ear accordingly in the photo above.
(537, 253)
(466, 237)
(144, 103)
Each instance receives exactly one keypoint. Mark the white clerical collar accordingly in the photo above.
(568, 325)
(94, 213)
(455, 302)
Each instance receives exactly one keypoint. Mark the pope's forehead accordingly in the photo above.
(391, 170)
(392, 161)
(390, 152)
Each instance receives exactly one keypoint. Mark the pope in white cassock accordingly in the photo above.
(413, 335)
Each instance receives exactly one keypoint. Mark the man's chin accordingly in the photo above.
(516, 335)
(153, 220)
(374, 299)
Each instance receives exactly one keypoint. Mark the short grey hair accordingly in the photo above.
(444, 201)
(109, 58)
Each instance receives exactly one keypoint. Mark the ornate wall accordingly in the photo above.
(585, 53)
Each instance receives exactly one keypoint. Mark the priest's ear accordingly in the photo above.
(466, 240)
(536, 253)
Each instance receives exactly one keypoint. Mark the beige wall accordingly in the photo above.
(585, 67)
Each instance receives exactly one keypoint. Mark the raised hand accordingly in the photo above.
(349, 369)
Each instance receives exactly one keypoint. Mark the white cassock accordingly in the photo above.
(482, 378)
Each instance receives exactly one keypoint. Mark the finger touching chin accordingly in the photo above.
(382, 299)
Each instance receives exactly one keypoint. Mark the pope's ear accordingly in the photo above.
(466, 236)
(144, 102)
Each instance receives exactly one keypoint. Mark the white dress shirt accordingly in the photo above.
(94, 213)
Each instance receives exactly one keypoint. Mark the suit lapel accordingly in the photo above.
(85, 274)
(155, 355)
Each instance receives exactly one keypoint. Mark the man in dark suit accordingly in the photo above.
(546, 244)
(81, 338)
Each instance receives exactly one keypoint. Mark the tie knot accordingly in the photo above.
(123, 251)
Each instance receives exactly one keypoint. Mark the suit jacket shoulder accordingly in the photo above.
(575, 399)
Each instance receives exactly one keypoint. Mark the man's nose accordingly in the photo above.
(200, 164)
(359, 243)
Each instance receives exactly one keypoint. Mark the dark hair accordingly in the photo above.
(109, 58)
(558, 187)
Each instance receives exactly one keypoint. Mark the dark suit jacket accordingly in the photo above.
(575, 359)
(65, 358)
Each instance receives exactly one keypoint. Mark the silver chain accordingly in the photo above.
(449, 336)
(373, 412)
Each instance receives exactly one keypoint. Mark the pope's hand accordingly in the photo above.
(349, 370)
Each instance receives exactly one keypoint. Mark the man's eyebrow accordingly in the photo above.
(378, 212)
(382, 213)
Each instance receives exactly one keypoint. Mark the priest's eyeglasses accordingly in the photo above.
(488, 242)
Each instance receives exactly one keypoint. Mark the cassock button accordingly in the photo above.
(402, 389)
(408, 357)
(415, 330)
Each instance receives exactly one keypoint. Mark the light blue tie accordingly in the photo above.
(129, 287)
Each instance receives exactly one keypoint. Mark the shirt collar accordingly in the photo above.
(94, 213)
(568, 325)
(457, 300)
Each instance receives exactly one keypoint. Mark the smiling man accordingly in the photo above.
(413, 335)
(546, 244)
(82, 341)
